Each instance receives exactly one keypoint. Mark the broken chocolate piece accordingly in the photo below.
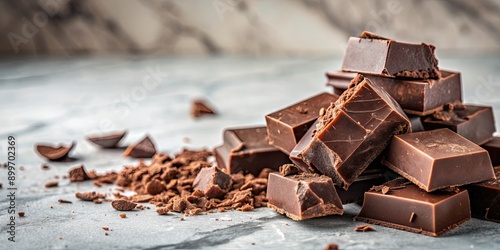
(303, 196)
(54, 153)
(78, 174)
(354, 131)
(356, 191)
(475, 123)
(390, 58)
(364, 228)
(247, 150)
(145, 148)
(289, 169)
(110, 140)
(89, 196)
(438, 159)
(493, 148)
(301, 146)
(200, 107)
(433, 213)
(123, 205)
(286, 127)
(485, 198)
(213, 182)
(418, 97)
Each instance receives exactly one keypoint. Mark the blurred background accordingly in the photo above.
(215, 27)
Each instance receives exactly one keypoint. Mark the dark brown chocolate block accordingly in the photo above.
(476, 123)
(493, 148)
(303, 196)
(285, 127)
(354, 131)
(485, 198)
(247, 150)
(404, 206)
(418, 97)
(438, 159)
(390, 58)
(356, 192)
(107, 140)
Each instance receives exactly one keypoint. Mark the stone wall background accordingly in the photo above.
(260, 27)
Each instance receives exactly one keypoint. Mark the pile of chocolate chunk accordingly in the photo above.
(394, 136)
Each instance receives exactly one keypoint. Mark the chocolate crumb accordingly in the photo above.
(123, 205)
(51, 206)
(45, 167)
(106, 233)
(289, 169)
(182, 218)
(364, 228)
(331, 246)
(21, 168)
(385, 189)
(51, 184)
(89, 196)
(64, 201)
(105, 228)
(200, 107)
(162, 210)
(123, 216)
(412, 216)
(145, 148)
(78, 174)
(246, 208)
(21, 214)
(54, 153)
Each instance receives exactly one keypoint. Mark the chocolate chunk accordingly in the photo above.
(364, 228)
(162, 210)
(286, 127)
(438, 159)
(110, 140)
(304, 196)
(51, 184)
(78, 174)
(54, 153)
(418, 97)
(200, 107)
(213, 182)
(123, 205)
(247, 150)
(354, 131)
(475, 123)
(485, 198)
(155, 187)
(89, 196)
(331, 246)
(145, 148)
(390, 58)
(433, 213)
(493, 148)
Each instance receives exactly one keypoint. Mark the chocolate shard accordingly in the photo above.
(416, 96)
(123, 205)
(354, 131)
(109, 140)
(303, 196)
(213, 182)
(438, 159)
(200, 107)
(145, 148)
(475, 123)
(407, 207)
(286, 127)
(247, 150)
(493, 148)
(54, 153)
(485, 198)
(390, 58)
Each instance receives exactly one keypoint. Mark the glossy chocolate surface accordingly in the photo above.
(353, 132)
(419, 97)
(247, 150)
(476, 123)
(303, 196)
(404, 206)
(286, 127)
(438, 159)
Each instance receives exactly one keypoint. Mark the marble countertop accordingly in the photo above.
(64, 99)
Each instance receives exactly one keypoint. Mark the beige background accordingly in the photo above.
(261, 27)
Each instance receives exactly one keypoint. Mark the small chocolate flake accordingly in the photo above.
(64, 201)
(123, 216)
(364, 228)
(54, 153)
(105, 228)
(385, 189)
(21, 214)
(45, 167)
(123, 205)
(200, 107)
(51, 184)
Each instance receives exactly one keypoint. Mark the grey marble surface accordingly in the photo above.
(64, 99)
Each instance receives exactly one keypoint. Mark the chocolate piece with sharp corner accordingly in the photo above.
(475, 123)
(493, 148)
(109, 140)
(143, 149)
(213, 182)
(54, 153)
(374, 55)
(438, 159)
(485, 198)
(303, 196)
(416, 96)
(354, 131)
(285, 127)
(247, 150)
(407, 207)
